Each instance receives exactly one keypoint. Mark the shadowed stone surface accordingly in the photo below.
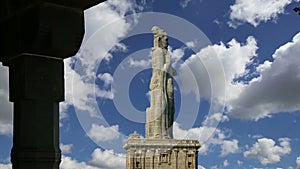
(36, 35)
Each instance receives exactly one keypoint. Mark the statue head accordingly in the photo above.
(160, 37)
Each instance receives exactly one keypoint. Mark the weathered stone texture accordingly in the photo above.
(161, 153)
(160, 114)
(159, 150)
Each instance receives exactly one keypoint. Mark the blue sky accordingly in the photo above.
(237, 88)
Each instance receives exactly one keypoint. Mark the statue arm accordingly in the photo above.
(173, 71)
(168, 67)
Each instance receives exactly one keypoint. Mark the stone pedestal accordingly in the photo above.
(161, 153)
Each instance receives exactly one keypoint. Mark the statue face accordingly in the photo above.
(165, 43)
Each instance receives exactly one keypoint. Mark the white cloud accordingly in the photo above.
(239, 163)
(201, 167)
(63, 115)
(106, 78)
(111, 133)
(256, 11)
(103, 20)
(275, 89)
(214, 70)
(107, 159)
(78, 83)
(66, 148)
(208, 137)
(139, 63)
(215, 135)
(234, 57)
(81, 92)
(225, 163)
(298, 162)
(5, 166)
(190, 44)
(267, 152)
(214, 167)
(257, 136)
(211, 119)
(229, 146)
(176, 54)
(184, 3)
(104, 13)
(6, 128)
(6, 111)
(69, 162)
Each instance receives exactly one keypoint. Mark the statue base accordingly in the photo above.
(154, 153)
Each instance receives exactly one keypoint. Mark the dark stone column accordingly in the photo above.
(35, 38)
(36, 88)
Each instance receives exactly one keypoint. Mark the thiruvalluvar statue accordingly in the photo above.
(160, 114)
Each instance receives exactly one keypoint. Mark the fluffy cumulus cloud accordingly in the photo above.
(176, 54)
(103, 20)
(6, 106)
(275, 89)
(111, 133)
(139, 63)
(105, 13)
(229, 146)
(208, 137)
(190, 44)
(216, 71)
(215, 67)
(69, 162)
(213, 118)
(225, 163)
(259, 97)
(267, 152)
(66, 148)
(106, 78)
(256, 11)
(101, 159)
(81, 92)
(106, 159)
(80, 70)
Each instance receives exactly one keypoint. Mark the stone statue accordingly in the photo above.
(159, 150)
(160, 114)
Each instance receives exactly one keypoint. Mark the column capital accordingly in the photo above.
(37, 78)
(41, 29)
